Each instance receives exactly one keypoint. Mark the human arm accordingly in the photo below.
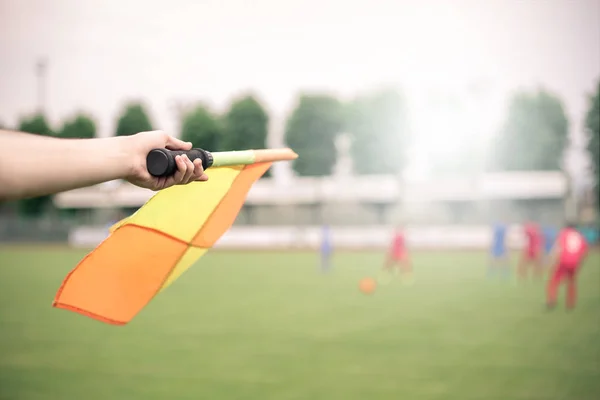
(34, 165)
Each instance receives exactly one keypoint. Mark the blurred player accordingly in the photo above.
(567, 256)
(398, 255)
(498, 253)
(549, 239)
(533, 253)
(326, 249)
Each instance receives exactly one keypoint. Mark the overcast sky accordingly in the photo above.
(102, 53)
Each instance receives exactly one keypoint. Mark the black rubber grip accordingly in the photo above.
(161, 162)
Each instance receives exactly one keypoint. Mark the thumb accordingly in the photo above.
(176, 144)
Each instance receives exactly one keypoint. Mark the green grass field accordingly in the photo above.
(270, 326)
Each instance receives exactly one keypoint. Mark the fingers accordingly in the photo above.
(187, 171)
(178, 176)
(192, 171)
(199, 173)
(173, 143)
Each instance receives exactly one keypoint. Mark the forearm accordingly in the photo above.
(33, 165)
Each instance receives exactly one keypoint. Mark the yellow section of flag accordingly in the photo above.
(180, 210)
(189, 258)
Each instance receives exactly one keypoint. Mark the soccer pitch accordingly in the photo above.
(269, 325)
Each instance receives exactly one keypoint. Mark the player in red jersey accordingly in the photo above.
(398, 254)
(567, 255)
(533, 252)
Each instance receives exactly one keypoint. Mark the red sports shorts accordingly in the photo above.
(565, 270)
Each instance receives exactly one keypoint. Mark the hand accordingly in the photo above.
(138, 146)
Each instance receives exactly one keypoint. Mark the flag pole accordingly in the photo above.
(161, 162)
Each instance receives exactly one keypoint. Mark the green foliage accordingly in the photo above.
(203, 128)
(79, 126)
(378, 123)
(134, 119)
(35, 206)
(245, 126)
(592, 125)
(311, 132)
(534, 134)
(36, 124)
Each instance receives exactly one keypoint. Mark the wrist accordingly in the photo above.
(124, 156)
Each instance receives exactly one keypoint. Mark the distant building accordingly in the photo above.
(379, 199)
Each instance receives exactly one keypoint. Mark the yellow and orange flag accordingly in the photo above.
(148, 251)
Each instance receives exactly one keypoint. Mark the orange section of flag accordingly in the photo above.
(225, 213)
(116, 280)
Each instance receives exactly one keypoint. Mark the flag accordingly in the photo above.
(148, 251)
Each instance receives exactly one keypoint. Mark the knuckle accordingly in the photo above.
(163, 135)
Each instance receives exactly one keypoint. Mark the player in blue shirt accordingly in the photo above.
(326, 249)
(550, 235)
(498, 251)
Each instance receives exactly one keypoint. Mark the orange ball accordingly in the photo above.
(367, 285)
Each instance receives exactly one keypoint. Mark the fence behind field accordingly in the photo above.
(39, 230)
(357, 237)
(280, 236)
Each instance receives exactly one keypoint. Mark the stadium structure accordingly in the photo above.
(363, 210)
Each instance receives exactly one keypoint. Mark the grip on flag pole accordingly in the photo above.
(161, 162)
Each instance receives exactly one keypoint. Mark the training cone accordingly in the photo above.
(367, 285)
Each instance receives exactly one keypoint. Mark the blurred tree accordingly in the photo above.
(311, 131)
(134, 119)
(534, 134)
(245, 125)
(201, 127)
(378, 123)
(79, 126)
(592, 125)
(36, 124)
(36, 206)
